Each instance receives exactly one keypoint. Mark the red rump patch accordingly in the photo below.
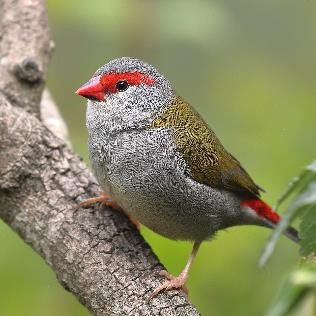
(262, 209)
(109, 81)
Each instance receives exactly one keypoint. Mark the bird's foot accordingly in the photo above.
(103, 198)
(172, 282)
(107, 200)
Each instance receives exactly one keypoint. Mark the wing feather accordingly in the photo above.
(208, 161)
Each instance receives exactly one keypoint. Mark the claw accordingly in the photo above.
(103, 198)
(166, 274)
(172, 283)
(107, 200)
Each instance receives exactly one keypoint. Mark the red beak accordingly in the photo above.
(92, 90)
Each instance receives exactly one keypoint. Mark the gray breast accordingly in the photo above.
(147, 177)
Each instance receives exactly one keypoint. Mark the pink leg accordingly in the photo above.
(106, 199)
(180, 280)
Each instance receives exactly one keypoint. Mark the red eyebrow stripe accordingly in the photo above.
(109, 81)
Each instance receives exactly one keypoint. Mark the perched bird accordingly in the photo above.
(157, 159)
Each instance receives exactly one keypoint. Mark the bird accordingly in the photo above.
(156, 159)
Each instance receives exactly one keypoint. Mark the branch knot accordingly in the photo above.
(29, 71)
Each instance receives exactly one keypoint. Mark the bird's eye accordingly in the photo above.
(121, 85)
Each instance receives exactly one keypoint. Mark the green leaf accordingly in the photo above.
(278, 231)
(308, 172)
(312, 166)
(300, 283)
(308, 230)
(303, 202)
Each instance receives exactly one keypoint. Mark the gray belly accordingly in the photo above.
(148, 178)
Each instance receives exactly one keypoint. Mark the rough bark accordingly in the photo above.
(51, 117)
(25, 48)
(96, 253)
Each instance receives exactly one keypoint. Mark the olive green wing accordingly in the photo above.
(207, 159)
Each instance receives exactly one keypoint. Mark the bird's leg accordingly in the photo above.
(180, 280)
(107, 200)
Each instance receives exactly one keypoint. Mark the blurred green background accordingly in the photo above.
(249, 67)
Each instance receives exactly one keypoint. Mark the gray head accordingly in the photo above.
(125, 93)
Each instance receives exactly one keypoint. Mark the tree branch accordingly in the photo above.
(25, 48)
(51, 117)
(96, 253)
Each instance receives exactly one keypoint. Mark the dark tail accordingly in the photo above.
(292, 233)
